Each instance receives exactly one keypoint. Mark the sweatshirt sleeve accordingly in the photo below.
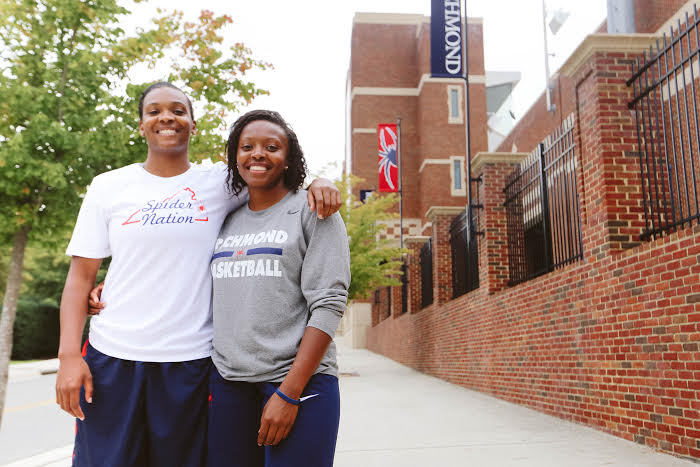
(325, 273)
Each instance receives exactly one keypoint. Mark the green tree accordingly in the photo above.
(374, 262)
(63, 118)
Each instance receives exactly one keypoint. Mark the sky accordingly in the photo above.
(308, 42)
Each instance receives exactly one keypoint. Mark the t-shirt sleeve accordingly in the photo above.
(91, 234)
(325, 273)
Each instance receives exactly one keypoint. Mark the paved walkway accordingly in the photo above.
(395, 416)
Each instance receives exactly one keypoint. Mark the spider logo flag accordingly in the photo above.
(388, 161)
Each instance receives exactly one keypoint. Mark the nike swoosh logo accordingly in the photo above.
(292, 211)
(302, 399)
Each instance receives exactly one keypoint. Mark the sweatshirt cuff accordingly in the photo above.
(326, 320)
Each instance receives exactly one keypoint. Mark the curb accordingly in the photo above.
(46, 458)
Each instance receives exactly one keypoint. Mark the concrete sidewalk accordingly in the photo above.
(392, 415)
(395, 416)
(25, 371)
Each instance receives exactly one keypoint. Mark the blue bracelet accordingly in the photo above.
(286, 397)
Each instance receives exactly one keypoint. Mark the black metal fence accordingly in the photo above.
(404, 287)
(426, 274)
(388, 301)
(666, 109)
(465, 255)
(542, 205)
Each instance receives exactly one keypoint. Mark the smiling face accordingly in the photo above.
(262, 156)
(166, 122)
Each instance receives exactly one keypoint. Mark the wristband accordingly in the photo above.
(286, 398)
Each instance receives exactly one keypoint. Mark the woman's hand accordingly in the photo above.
(73, 373)
(324, 197)
(94, 303)
(276, 422)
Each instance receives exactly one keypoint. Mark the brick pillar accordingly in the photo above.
(396, 300)
(441, 217)
(612, 209)
(494, 169)
(415, 284)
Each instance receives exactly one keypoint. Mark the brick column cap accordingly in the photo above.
(594, 43)
(444, 211)
(482, 158)
(419, 239)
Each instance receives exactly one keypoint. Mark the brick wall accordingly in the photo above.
(611, 341)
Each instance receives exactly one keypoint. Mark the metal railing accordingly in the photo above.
(465, 256)
(388, 301)
(404, 287)
(426, 274)
(542, 206)
(666, 109)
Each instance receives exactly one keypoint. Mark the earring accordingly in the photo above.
(286, 167)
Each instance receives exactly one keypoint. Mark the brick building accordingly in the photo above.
(389, 77)
(587, 305)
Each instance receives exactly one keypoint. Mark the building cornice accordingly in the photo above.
(388, 18)
(412, 92)
(594, 43)
(482, 158)
(400, 18)
(444, 211)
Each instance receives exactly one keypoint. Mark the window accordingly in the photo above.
(455, 104)
(457, 168)
(457, 176)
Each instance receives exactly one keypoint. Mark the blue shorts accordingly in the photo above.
(143, 413)
(234, 419)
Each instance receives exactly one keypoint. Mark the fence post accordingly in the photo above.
(546, 221)
(441, 217)
(611, 201)
(494, 168)
(415, 284)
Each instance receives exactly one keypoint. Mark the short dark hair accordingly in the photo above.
(162, 84)
(296, 164)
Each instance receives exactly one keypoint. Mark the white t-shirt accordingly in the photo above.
(160, 233)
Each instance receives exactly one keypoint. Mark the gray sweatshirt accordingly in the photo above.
(275, 272)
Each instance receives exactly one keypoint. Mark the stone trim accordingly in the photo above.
(412, 92)
(594, 43)
(401, 18)
(444, 211)
(433, 161)
(419, 239)
(389, 18)
(368, 131)
(482, 158)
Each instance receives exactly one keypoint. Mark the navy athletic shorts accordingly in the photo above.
(234, 419)
(143, 413)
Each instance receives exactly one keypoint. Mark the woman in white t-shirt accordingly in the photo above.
(139, 388)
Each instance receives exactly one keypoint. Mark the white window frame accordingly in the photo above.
(453, 190)
(460, 104)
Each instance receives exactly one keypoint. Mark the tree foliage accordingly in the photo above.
(63, 114)
(374, 262)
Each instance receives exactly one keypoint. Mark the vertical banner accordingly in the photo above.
(388, 160)
(446, 39)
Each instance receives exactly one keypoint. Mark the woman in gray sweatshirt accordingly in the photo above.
(280, 280)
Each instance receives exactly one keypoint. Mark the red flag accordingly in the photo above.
(388, 160)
